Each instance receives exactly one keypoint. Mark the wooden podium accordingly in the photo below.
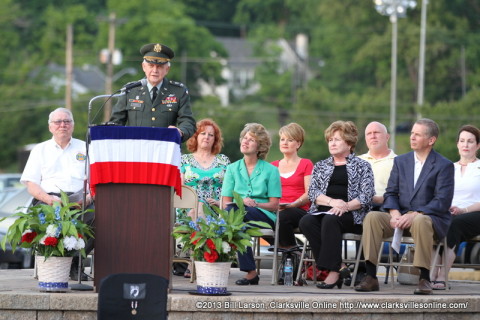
(134, 171)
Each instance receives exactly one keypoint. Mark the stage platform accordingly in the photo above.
(20, 299)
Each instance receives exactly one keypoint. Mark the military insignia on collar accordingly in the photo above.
(176, 83)
(157, 48)
(81, 156)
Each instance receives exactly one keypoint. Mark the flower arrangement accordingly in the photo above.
(55, 230)
(219, 236)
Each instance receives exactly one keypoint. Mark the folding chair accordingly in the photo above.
(391, 265)
(475, 264)
(256, 250)
(358, 257)
(189, 200)
(345, 237)
(125, 296)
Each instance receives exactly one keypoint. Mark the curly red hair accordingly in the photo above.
(192, 143)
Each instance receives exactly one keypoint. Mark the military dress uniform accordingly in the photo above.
(171, 106)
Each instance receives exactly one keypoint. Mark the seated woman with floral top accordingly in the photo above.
(204, 168)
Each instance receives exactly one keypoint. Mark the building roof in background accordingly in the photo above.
(240, 52)
(85, 79)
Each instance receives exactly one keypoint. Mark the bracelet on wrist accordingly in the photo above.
(329, 200)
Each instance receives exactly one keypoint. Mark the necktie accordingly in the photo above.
(154, 94)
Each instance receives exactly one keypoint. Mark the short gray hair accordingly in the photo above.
(432, 127)
(64, 110)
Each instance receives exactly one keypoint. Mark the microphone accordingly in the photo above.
(134, 84)
(123, 91)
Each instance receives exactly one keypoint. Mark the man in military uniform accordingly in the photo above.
(159, 102)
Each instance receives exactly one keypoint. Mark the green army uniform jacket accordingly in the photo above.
(170, 108)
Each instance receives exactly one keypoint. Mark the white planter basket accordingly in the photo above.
(212, 278)
(53, 273)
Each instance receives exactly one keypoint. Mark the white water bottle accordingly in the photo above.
(288, 273)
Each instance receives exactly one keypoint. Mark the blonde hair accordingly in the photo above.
(293, 131)
(262, 137)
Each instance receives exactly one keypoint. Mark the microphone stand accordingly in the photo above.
(80, 286)
(109, 96)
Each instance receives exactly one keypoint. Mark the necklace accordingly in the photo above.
(203, 159)
(466, 164)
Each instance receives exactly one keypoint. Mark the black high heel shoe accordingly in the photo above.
(323, 285)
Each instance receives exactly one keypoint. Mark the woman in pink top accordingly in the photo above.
(295, 174)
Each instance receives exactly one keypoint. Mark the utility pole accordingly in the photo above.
(183, 67)
(108, 80)
(393, 87)
(69, 67)
(463, 71)
(421, 60)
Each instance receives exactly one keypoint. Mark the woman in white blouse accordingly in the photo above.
(465, 207)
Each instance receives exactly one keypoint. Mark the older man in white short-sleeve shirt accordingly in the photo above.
(58, 165)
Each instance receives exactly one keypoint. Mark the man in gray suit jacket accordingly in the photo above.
(418, 198)
(159, 102)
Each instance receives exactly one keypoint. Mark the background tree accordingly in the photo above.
(349, 60)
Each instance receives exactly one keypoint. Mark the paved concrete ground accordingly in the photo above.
(22, 281)
(20, 299)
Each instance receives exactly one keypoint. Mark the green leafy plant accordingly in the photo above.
(55, 230)
(219, 236)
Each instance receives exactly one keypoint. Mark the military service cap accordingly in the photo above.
(157, 53)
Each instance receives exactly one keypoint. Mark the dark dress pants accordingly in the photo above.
(463, 228)
(324, 233)
(246, 260)
(289, 219)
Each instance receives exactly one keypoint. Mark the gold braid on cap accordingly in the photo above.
(155, 59)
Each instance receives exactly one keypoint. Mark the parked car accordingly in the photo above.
(10, 180)
(9, 183)
(17, 199)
